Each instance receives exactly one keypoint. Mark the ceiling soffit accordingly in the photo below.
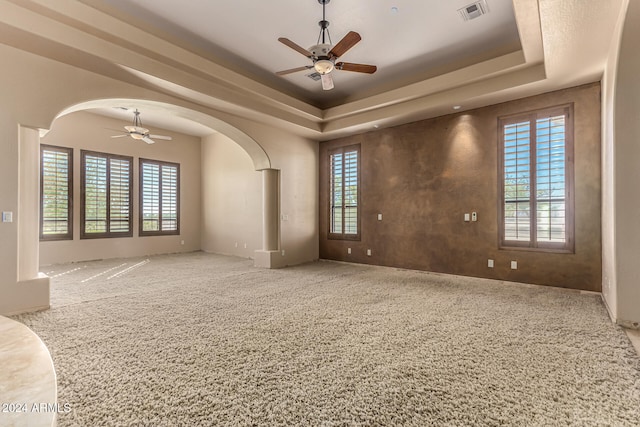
(185, 74)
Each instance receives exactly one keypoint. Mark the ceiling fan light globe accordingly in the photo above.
(323, 66)
(137, 136)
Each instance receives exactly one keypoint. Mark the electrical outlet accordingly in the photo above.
(514, 265)
(368, 252)
(380, 217)
(283, 252)
(474, 216)
(349, 251)
(182, 242)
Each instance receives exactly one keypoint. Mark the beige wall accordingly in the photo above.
(626, 171)
(609, 281)
(87, 131)
(35, 90)
(231, 199)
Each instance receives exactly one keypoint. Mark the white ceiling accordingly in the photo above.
(220, 57)
(407, 40)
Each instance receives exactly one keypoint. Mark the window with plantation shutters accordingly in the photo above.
(536, 180)
(159, 198)
(56, 190)
(344, 198)
(106, 189)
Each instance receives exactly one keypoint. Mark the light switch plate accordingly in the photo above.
(7, 216)
(466, 217)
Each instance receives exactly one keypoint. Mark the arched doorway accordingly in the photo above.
(258, 156)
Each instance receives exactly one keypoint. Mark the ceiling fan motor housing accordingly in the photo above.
(320, 51)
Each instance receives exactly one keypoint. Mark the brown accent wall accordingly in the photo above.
(424, 176)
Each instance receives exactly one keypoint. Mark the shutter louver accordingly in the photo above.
(55, 193)
(159, 197)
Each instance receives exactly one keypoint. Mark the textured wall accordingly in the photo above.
(425, 175)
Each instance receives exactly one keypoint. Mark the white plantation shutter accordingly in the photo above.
(119, 196)
(551, 197)
(159, 197)
(106, 195)
(344, 218)
(95, 194)
(537, 180)
(56, 189)
(337, 180)
(150, 197)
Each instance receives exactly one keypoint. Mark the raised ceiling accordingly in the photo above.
(222, 55)
(408, 40)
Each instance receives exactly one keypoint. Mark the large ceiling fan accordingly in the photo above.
(323, 54)
(136, 131)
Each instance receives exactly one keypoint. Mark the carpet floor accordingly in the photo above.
(207, 340)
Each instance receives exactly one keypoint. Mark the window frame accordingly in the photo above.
(344, 236)
(161, 164)
(69, 234)
(568, 246)
(107, 234)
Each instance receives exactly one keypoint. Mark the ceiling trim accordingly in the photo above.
(175, 70)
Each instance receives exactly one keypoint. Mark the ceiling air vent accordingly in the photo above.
(474, 10)
(314, 76)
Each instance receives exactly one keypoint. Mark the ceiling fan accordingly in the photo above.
(324, 55)
(138, 132)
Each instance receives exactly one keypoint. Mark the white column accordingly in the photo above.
(270, 209)
(28, 213)
(267, 256)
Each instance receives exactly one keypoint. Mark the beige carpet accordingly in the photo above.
(204, 340)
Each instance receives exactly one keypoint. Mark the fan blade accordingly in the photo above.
(293, 70)
(148, 140)
(295, 47)
(166, 138)
(327, 81)
(358, 68)
(120, 136)
(345, 44)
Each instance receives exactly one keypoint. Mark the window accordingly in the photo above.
(106, 188)
(159, 198)
(344, 215)
(536, 180)
(56, 193)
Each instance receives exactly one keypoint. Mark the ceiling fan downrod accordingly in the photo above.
(324, 24)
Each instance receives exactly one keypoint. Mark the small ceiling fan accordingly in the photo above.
(324, 55)
(138, 132)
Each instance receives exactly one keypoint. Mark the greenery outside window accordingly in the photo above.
(56, 193)
(159, 198)
(536, 180)
(344, 197)
(106, 195)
